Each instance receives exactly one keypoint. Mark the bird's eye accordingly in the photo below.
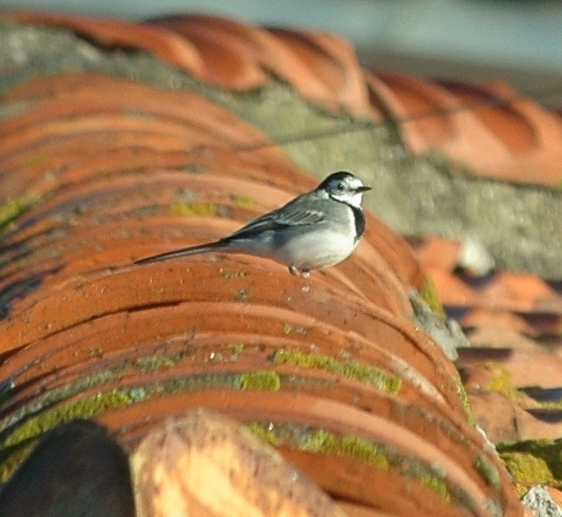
(340, 186)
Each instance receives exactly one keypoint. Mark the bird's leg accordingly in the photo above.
(305, 273)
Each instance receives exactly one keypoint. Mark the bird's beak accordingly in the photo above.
(362, 188)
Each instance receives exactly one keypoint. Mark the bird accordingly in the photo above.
(318, 229)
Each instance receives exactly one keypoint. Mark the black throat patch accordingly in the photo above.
(359, 218)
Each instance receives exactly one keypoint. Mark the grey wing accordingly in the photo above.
(298, 217)
(285, 217)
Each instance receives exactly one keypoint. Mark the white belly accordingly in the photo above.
(315, 250)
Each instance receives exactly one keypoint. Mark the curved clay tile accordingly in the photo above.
(334, 373)
(485, 127)
(331, 370)
(181, 466)
(519, 386)
(231, 52)
(321, 67)
(518, 302)
(511, 371)
(334, 61)
(531, 135)
(167, 46)
(433, 118)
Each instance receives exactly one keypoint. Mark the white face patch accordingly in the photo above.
(356, 199)
(353, 183)
(346, 191)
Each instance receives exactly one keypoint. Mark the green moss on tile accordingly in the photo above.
(82, 408)
(243, 201)
(237, 348)
(287, 329)
(350, 369)
(465, 403)
(138, 393)
(322, 441)
(11, 459)
(551, 405)
(261, 380)
(55, 396)
(520, 489)
(242, 295)
(194, 383)
(501, 382)
(527, 469)
(11, 209)
(532, 458)
(200, 209)
(32, 161)
(436, 484)
(428, 292)
(152, 363)
(488, 470)
(266, 433)
(353, 447)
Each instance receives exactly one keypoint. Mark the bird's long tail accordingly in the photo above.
(184, 252)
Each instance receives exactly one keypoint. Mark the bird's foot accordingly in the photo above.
(305, 273)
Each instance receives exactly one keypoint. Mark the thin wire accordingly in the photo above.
(487, 100)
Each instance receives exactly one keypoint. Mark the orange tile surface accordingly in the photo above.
(114, 170)
(488, 127)
(334, 358)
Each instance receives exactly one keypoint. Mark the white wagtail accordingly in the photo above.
(318, 229)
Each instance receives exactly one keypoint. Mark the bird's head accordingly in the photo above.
(344, 187)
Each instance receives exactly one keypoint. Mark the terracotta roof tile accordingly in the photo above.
(485, 126)
(320, 66)
(328, 362)
(106, 171)
(515, 332)
(182, 464)
(518, 301)
(167, 46)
